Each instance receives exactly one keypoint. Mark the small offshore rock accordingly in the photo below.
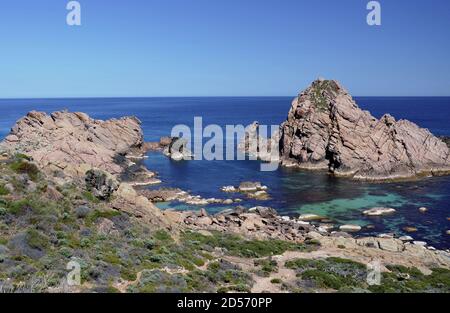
(379, 211)
(410, 229)
(310, 217)
(228, 189)
(250, 186)
(228, 201)
(423, 210)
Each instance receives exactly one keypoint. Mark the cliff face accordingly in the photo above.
(326, 129)
(73, 142)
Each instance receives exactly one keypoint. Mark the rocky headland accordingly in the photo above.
(68, 192)
(326, 130)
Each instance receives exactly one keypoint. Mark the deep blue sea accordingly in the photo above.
(292, 191)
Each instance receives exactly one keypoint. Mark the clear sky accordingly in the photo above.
(222, 48)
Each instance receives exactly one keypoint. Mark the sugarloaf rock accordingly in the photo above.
(326, 129)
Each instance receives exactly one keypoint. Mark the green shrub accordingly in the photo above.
(37, 240)
(20, 206)
(236, 245)
(95, 215)
(3, 190)
(162, 235)
(21, 156)
(128, 274)
(267, 266)
(25, 167)
(90, 197)
(334, 273)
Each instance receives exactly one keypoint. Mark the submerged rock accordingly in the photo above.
(410, 229)
(350, 228)
(379, 211)
(310, 217)
(325, 129)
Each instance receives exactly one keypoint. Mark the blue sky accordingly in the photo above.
(222, 48)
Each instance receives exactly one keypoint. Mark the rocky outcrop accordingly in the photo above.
(258, 146)
(101, 184)
(177, 149)
(326, 129)
(72, 143)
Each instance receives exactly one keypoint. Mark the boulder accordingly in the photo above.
(310, 217)
(264, 212)
(390, 244)
(177, 150)
(379, 211)
(229, 189)
(350, 228)
(250, 186)
(106, 227)
(126, 199)
(74, 142)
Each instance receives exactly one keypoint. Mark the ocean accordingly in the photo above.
(292, 191)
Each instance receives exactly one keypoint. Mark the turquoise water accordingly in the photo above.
(292, 191)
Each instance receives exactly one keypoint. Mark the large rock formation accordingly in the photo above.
(326, 129)
(72, 147)
(73, 143)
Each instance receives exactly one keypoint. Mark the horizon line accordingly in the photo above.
(146, 97)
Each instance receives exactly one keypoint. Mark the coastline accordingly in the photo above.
(105, 207)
